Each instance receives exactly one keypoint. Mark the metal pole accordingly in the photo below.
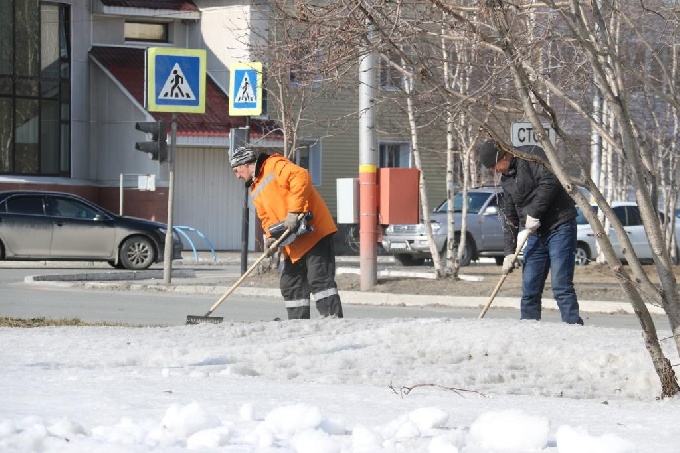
(167, 259)
(245, 222)
(368, 217)
(120, 196)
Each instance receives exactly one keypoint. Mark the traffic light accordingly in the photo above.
(157, 148)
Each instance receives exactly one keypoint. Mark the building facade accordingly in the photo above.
(72, 87)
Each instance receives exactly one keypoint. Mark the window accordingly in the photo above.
(308, 155)
(306, 72)
(395, 155)
(146, 31)
(476, 200)
(628, 215)
(25, 205)
(35, 88)
(62, 207)
(391, 78)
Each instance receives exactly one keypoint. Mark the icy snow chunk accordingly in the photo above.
(570, 440)
(247, 413)
(208, 438)
(65, 428)
(286, 421)
(442, 444)
(510, 430)
(428, 418)
(365, 440)
(188, 419)
(314, 441)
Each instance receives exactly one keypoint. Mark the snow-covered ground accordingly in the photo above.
(326, 386)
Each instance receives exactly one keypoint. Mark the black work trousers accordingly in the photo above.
(312, 276)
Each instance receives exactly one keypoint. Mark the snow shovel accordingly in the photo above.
(194, 319)
(521, 240)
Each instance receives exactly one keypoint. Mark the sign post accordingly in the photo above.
(245, 99)
(175, 83)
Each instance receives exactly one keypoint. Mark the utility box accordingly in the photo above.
(347, 190)
(399, 196)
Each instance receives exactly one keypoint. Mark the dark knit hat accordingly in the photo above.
(490, 154)
(242, 155)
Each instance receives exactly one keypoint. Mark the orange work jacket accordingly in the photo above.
(279, 187)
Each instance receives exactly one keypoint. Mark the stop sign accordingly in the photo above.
(523, 133)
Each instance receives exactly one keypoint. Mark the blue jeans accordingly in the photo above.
(552, 253)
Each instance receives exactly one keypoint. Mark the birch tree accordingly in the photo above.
(588, 58)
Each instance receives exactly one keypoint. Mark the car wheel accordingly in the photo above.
(499, 260)
(582, 255)
(409, 260)
(466, 259)
(137, 253)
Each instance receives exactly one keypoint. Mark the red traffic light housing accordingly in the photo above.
(157, 148)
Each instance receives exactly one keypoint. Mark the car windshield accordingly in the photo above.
(475, 202)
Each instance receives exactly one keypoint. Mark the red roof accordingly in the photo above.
(126, 64)
(176, 5)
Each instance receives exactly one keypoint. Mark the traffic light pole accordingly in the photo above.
(167, 258)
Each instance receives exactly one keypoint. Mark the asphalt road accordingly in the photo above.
(18, 299)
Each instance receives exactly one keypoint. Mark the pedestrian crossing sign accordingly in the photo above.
(245, 92)
(175, 80)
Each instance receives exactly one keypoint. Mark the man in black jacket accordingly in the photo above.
(534, 197)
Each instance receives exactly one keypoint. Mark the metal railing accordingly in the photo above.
(181, 230)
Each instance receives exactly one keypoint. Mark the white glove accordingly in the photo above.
(532, 224)
(508, 263)
(291, 221)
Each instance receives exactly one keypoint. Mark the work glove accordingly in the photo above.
(291, 221)
(508, 264)
(532, 224)
(267, 245)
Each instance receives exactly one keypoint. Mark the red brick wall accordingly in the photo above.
(137, 203)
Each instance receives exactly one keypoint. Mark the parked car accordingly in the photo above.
(59, 226)
(631, 219)
(484, 231)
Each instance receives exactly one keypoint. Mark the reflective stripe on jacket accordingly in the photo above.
(280, 187)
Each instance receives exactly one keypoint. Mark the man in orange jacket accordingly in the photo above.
(281, 191)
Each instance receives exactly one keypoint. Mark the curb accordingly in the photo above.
(124, 281)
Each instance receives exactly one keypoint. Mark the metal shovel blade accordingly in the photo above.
(194, 319)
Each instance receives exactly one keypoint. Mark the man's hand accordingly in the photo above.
(532, 224)
(508, 263)
(291, 221)
(267, 246)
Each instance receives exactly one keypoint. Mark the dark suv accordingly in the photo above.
(484, 231)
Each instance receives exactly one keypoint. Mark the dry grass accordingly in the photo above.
(45, 322)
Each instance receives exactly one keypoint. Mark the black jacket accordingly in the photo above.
(531, 189)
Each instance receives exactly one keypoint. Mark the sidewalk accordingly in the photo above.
(209, 276)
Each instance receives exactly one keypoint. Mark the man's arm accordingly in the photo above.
(298, 183)
(546, 187)
(510, 220)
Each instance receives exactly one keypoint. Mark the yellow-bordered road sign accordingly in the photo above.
(245, 89)
(175, 80)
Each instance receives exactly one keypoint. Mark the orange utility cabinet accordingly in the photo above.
(399, 196)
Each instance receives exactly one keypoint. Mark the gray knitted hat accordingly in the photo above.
(490, 154)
